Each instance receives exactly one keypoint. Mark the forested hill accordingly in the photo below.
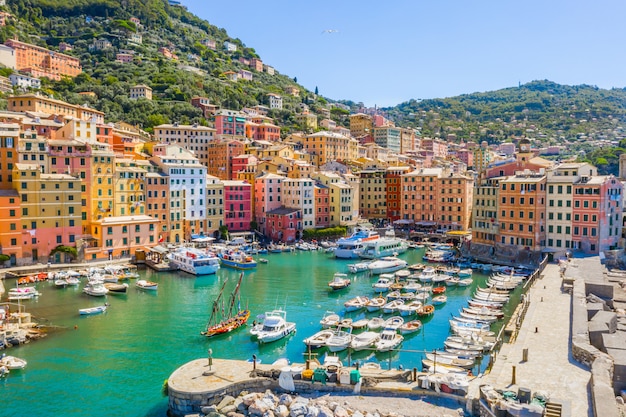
(199, 70)
(589, 122)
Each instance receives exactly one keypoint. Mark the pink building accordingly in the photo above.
(322, 205)
(438, 147)
(121, 236)
(230, 123)
(237, 205)
(256, 64)
(596, 223)
(466, 156)
(245, 75)
(267, 197)
(283, 224)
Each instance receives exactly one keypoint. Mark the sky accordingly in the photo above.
(387, 52)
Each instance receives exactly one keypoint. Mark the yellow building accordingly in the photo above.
(341, 196)
(361, 125)
(373, 194)
(214, 204)
(37, 103)
(327, 147)
(306, 120)
(128, 183)
(50, 210)
(102, 182)
(485, 212)
(194, 138)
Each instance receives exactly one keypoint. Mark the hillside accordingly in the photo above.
(199, 70)
(589, 122)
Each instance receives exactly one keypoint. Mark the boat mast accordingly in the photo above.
(233, 296)
(216, 306)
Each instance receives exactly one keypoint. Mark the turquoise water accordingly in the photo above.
(116, 363)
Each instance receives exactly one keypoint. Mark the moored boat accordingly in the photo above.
(319, 339)
(237, 260)
(143, 284)
(348, 247)
(389, 340)
(273, 327)
(356, 303)
(115, 288)
(386, 265)
(12, 362)
(410, 327)
(339, 281)
(194, 261)
(383, 247)
(93, 310)
(225, 320)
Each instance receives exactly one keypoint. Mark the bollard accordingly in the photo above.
(414, 374)
(536, 329)
(525, 355)
(513, 376)
(254, 362)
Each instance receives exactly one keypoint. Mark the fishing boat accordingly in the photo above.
(12, 362)
(426, 310)
(93, 310)
(389, 340)
(392, 306)
(60, 283)
(356, 303)
(143, 284)
(394, 322)
(319, 339)
(116, 288)
(339, 281)
(427, 274)
(386, 265)
(410, 327)
(375, 323)
(382, 285)
(441, 368)
(375, 304)
(348, 247)
(273, 327)
(95, 289)
(360, 324)
(439, 300)
(340, 340)
(450, 359)
(410, 308)
(225, 320)
(364, 340)
(383, 247)
(330, 319)
(412, 286)
(194, 261)
(237, 260)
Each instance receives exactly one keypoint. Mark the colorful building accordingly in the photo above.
(237, 206)
(230, 124)
(195, 138)
(214, 205)
(42, 62)
(11, 226)
(322, 205)
(41, 104)
(121, 236)
(284, 224)
(267, 197)
(373, 194)
(299, 193)
(393, 195)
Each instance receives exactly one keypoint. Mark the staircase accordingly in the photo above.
(553, 410)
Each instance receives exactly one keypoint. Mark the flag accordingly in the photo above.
(160, 238)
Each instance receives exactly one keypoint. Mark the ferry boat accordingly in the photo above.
(348, 247)
(194, 261)
(237, 260)
(382, 247)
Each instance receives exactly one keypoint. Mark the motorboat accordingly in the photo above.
(339, 281)
(364, 340)
(340, 340)
(464, 273)
(356, 303)
(360, 324)
(386, 265)
(12, 362)
(465, 282)
(143, 284)
(394, 322)
(237, 260)
(349, 247)
(402, 274)
(383, 247)
(389, 340)
(23, 293)
(93, 310)
(95, 289)
(439, 290)
(359, 267)
(319, 339)
(427, 274)
(382, 285)
(410, 327)
(60, 283)
(72, 281)
(330, 319)
(194, 261)
(375, 304)
(375, 323)
(273, 327)
(116, 288)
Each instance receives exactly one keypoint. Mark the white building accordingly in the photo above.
(299, 193)
(276, 101)
(7, 56)
(24, 82)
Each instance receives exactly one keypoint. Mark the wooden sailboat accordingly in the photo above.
(222, 321)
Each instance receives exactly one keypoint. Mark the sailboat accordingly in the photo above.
(222, 321)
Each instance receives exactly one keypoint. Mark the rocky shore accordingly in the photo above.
(269, 404)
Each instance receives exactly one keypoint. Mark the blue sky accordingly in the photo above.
(384, 53)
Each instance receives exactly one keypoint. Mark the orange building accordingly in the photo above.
(522, 209)
(221, 153)
(37, 103)
(394, 191)
(10, 225)
(41, 62)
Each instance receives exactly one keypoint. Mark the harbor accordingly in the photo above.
(144, 335)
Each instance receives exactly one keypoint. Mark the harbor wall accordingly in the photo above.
(601, 364)
(183, 403)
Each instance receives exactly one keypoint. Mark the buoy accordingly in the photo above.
(76, 327)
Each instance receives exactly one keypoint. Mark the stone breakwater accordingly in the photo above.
(268, 404)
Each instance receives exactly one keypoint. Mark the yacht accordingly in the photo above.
(348, 247)
(274, 327)
(386, 265)
(195, 261)
(382, 247)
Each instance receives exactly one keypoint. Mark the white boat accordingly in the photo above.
(142, 284)
(439, 299)
(382, 285)
(93, 310)
(427, 274)
(383, 247)
(375, 304)
(364, 340)
(348, 247)
(22, 293)
(356, 303)
(73, 281)
(339, 281)
(389, 340)
(394, 322)
(410, 327)
(465, 282)
(392, 306)
(465, 273)
(340, 340)
(375, 323)
(12, 362)
(359, 267)
(441, 368)
(60, 283)
(360, 324)
(403, 274)
(330, 319)
(194, 261)
(95, 289)
(412, 286)
(450, 359)
(319, 339)
(438, 256)
(409, 309)
(386, 265)
(274, 327)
